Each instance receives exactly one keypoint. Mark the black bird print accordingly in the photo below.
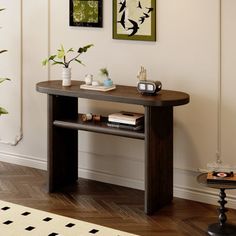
(146, 15)
(134, 28)
(122, 20)
(139, 5)
(149, 9)
(142, 19)
(123, 6)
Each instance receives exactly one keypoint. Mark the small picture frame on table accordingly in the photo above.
(134, 20)
(86, 13)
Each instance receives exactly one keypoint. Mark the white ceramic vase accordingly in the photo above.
(66, 76)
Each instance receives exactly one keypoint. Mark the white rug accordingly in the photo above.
(16, 220)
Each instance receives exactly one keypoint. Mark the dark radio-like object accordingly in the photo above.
(149, 87)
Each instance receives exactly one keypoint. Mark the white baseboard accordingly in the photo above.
(204, 196)
(111, 179)
(192, 191)
(23, 160)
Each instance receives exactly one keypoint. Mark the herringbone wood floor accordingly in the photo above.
(105, 204)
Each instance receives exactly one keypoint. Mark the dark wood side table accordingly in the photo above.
(64, 123)
(221, 228)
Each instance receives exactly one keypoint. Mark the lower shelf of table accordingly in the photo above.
(98, 127)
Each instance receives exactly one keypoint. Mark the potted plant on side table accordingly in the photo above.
(61, 58)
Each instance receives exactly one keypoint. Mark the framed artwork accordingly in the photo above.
(87, 13)
(134, 19)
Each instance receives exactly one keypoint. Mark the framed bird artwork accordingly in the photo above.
(134, 20)
(86, 13)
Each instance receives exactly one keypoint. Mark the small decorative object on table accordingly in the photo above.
(221, 177)
(61, 59)
(90, 117)
(87, 117)
(88, 79)
(222, 228)
(142, 74)
(147, 87)
(105, 74)
(107, 84)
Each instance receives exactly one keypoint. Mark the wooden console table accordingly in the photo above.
(64, 122)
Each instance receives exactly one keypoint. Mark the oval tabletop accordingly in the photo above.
(122, 94)
(202, 179)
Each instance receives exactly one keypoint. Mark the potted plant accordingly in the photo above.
(2, 110)
(105, 74)
(62, 58)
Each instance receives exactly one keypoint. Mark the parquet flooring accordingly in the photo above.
(105, 204)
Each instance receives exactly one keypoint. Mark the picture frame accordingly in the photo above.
(134, 20)
(86, 13)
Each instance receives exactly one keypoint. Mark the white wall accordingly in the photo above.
(185, 57)
(11, 125)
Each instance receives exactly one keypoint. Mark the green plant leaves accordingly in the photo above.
(3, 79)
(80, 62)
(85, 48)
(45, 62)
(104, 71)
(3, 111)
(58, 62)
(51, 58)
(70, 50)
(2, 51)
(61, 57)
(61, 52)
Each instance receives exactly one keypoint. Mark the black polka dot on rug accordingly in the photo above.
(30, 228)
(70, 225)
(93, 231)
(8, 222)
(26, 213)
(5, 208)
(47, 219)
(53, 234)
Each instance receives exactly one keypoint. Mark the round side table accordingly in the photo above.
(221, 228)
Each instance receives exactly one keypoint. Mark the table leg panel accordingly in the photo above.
(62, 143)
(158, 157)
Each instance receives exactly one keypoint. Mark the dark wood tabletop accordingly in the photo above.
(122, 94)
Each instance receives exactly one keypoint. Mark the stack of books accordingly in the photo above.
(126, 120)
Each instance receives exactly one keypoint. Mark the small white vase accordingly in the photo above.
(66, 76)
